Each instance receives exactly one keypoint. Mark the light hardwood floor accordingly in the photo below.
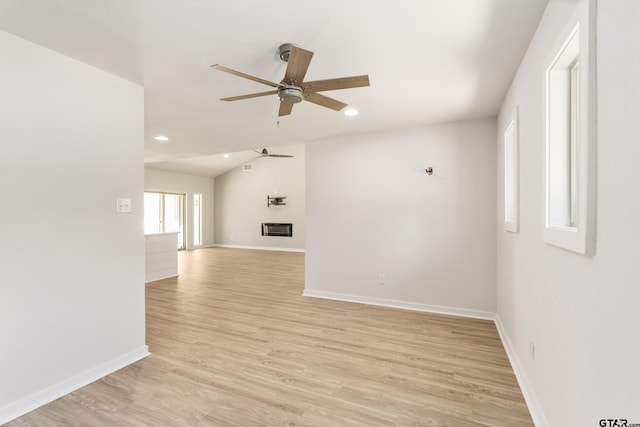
(234, 343)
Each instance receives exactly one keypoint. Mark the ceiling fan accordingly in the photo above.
(293, 89)
(265, 153)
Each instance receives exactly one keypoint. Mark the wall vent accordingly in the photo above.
(247, 167)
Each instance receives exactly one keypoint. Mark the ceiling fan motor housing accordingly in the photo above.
(290, 94)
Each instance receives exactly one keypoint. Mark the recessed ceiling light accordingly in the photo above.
(161, 138)
(350, 112)
(226, 156)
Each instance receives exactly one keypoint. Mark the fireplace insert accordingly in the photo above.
(277, 229)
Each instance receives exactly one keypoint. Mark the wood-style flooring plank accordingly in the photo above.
(234, 343)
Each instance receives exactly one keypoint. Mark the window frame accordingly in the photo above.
(578, 234)
(512, 173)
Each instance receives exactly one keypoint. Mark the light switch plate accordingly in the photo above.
(123, 205)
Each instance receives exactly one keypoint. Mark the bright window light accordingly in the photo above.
(511, 175)
(562, 129)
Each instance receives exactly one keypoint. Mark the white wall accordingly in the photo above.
(241, 201)
(372, 209)
(155, 180)
(581, 312)
(72, 284)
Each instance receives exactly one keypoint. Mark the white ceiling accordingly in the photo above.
(429, 61)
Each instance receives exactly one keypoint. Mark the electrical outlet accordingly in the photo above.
(231, 237)
(381, 279)
(532, 350)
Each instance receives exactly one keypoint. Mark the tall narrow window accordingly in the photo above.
(174, 216)
(573, 149)
(197, 219)
(563, 119)
(511, 174)
(570, 141)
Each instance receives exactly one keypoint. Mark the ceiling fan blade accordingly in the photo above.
(299, 61)
(324, 101)
(334, 84)
(251, 95)
(246, 76)
(285, 109)
(265, 153)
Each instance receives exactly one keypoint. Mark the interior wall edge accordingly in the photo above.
(535, 409)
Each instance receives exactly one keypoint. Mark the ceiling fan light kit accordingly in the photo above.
(293, 89)
(290, 94)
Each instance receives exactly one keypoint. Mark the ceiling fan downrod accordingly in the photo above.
(284, 51)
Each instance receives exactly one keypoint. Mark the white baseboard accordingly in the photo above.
(49, 394)
(208, 245)
(462, 312)
(527, 391)
(155, 278)
(260, 248)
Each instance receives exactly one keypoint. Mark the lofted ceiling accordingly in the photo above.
(429, 61)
